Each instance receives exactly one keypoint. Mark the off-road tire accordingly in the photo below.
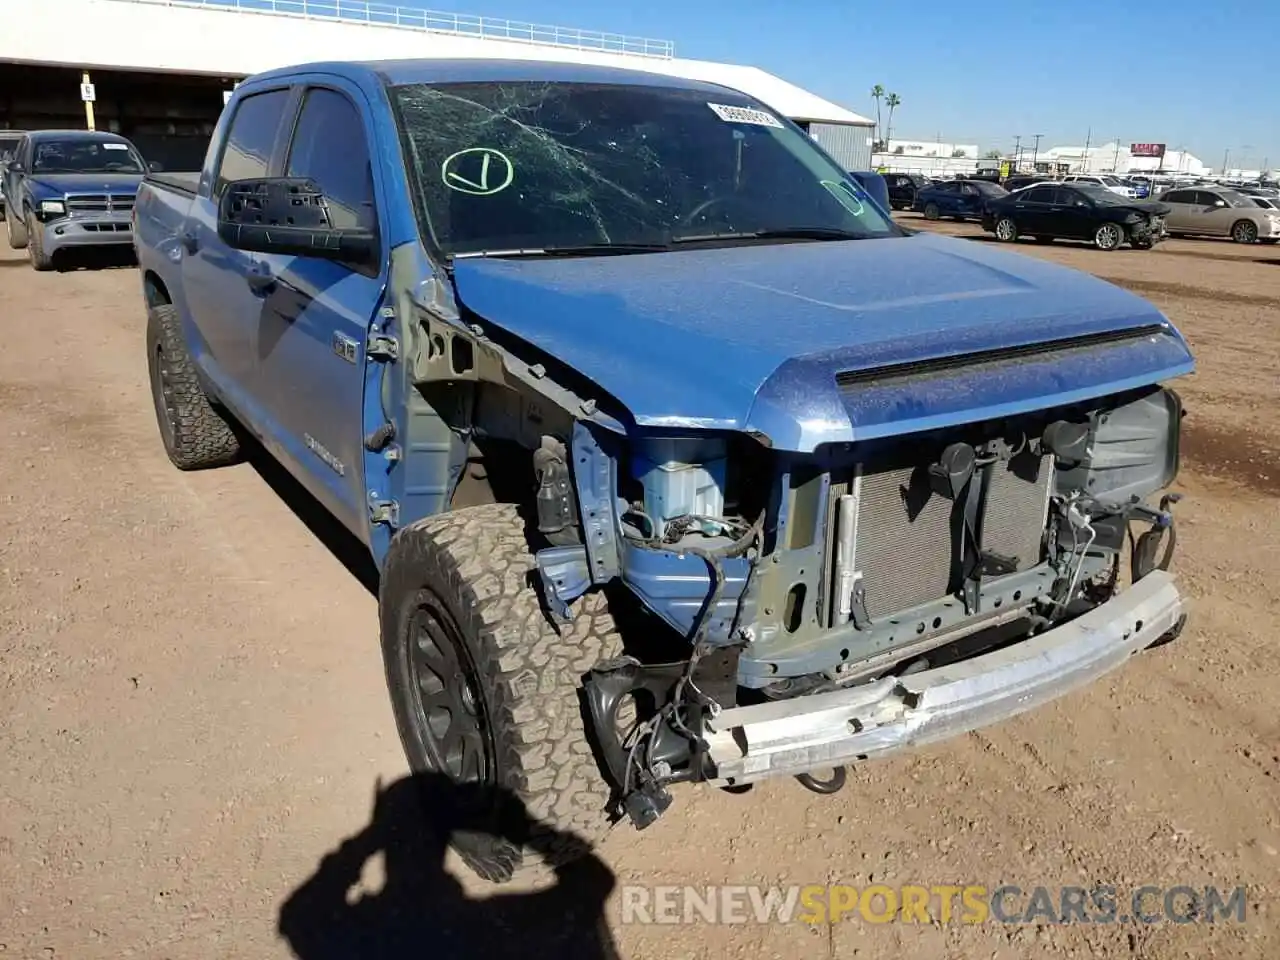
(1109, 237)
(35, 246)
(1244, 231)
(931, 211)
(196, 436)
(15, 229)
(475, 567)
(1009, 234)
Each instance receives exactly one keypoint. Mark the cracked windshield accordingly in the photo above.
(598, 168)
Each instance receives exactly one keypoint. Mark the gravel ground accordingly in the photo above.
(193, 711)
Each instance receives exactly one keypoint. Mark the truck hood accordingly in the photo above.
(57, 184)
(784, 339)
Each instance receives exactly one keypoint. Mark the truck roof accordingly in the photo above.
(478, 70)
(38, 135)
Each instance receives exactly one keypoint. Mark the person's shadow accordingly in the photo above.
(421, 910)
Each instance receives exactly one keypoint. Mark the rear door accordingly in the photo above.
(1030, 210)
(1181, 204)
(221, 306)
(315, 314)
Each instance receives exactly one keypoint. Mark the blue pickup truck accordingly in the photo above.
(679, 461)
(70, 188)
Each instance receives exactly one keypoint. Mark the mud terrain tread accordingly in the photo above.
(479, 563)
(199, 437)
(15, 228)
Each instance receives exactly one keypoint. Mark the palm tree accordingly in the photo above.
(891, 101)
(876, 93)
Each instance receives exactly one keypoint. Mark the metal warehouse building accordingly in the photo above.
(157, 70)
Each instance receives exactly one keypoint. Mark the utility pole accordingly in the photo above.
(1226, 157)
(1017, 152)
(1035, 151)
(1084, 161)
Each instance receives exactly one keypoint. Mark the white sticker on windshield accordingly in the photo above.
(115, 146)
(744, 115)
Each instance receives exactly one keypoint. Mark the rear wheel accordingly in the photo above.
(195, 434)
(1108, 237)
(1244, 231)
(931, 211)
(1006, 230)
(486, 691)
(35, 245)
(14, 228)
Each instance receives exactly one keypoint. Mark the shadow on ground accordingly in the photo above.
(419, 910)
(326, 528)
(114, 257)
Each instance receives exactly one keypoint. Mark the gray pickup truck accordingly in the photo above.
(70, 188)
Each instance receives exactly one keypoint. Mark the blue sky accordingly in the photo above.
(1202, 75)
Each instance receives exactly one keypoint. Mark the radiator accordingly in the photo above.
(904, 535)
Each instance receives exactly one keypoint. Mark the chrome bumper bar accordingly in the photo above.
(811, 733)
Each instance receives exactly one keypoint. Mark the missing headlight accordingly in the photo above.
(1133, 450)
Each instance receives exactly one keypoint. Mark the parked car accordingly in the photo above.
(9, 140)
(539, 329)
(1022, 181)
(958, 199)
(1106, 181)
(1076, 211)
(70, 188)
(1220, 212)
(1141, 187)
(1266, 203)
(903, 188)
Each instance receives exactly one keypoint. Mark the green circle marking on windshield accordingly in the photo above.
(479, 171)
(848, 199)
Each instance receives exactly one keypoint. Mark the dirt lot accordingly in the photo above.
(193, 713)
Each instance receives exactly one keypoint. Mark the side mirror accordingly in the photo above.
(154, 166)
(290, 216)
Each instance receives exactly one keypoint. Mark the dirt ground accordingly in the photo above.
(193, 714)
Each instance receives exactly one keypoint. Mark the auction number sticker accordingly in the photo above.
(115, 146)
(732, 114)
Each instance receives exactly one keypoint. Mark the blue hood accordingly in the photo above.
(48, 185)
(778, 338)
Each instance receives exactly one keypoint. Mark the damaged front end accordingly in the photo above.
(868, 596)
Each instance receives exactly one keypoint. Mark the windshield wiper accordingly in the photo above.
(578, 250)
(780, 233)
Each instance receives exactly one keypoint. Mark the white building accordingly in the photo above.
(140, 55)
(931, 149)
(1115, 157)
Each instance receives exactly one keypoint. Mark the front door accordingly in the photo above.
(1073, 214)
(314, 323)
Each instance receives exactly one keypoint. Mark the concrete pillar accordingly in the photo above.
(88, 104)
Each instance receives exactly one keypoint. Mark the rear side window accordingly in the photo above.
(1180, 196)
(329, 147)
(247, 153)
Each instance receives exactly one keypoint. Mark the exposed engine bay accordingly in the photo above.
(847, 568)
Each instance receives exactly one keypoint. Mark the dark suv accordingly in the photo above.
(903, 188)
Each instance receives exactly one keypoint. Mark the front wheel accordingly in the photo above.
(931, 211)
(1006, 230)
(486, 691)
(40, 260)
(1244, 231)
(1108, 237)
(14, 228)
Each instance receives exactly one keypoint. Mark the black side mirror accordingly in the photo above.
(288, 215)
(154, 166)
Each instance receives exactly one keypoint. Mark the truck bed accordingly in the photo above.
(185, 183)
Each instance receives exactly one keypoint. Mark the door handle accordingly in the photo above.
(190, 242)
(260, 278)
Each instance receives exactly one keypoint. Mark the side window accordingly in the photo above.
(1206, 199)
(1040, 195)
(1180, 196)
(247, 152)
(329, 147)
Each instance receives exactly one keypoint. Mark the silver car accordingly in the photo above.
(1219, 212)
